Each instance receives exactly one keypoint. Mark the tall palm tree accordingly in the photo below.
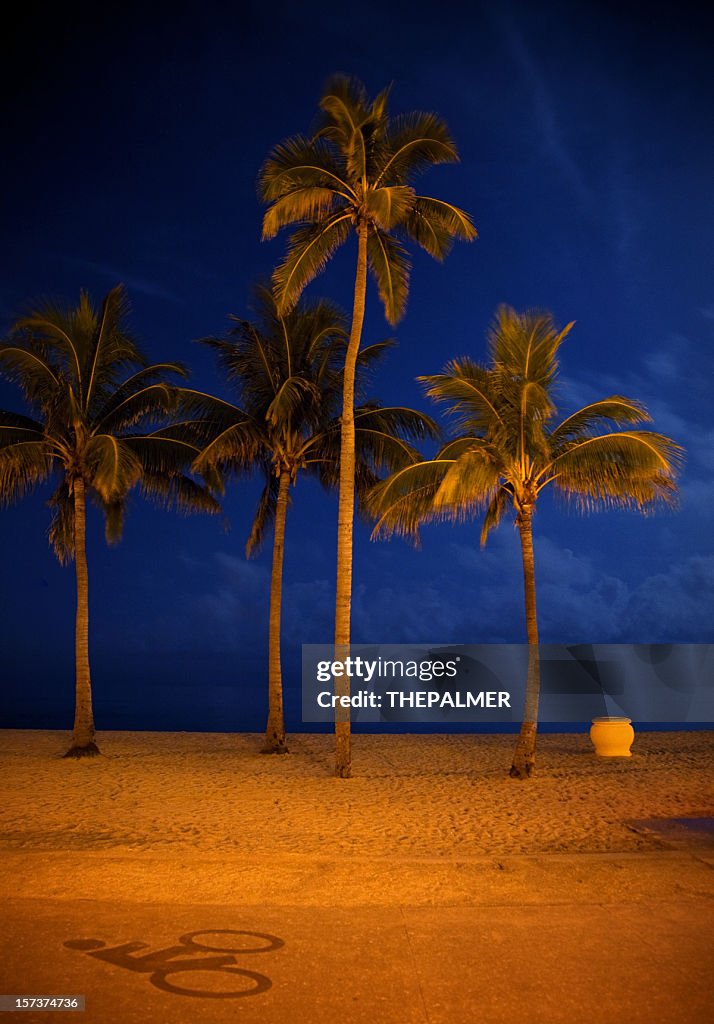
(93, 400)
(356, 174)
(511, 446)
(287, 370)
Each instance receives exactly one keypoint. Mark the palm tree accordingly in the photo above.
(93, 400)
(287, 371)
(511, 446)
(357, 173)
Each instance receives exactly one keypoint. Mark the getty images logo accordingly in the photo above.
(367, 669)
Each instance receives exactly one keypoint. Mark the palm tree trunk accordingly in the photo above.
(83, 744)
(275, 729)
(345, 514)
(524, 755)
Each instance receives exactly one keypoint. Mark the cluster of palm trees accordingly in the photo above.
(103, 421)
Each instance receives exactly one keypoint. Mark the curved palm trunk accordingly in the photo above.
(83, 744)
(345, 514)
(524, 756)
(275, 729)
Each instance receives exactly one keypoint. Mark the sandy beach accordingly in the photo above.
(411, 796)
(406, 894)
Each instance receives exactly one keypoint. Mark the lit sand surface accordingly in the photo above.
(168, 815)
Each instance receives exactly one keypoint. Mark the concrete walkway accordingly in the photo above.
(571, 954)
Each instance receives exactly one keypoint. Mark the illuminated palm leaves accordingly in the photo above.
(96, 409)
(359, 168)
(287, 371)
(511, 445)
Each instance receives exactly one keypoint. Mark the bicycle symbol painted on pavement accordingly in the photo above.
(165, 964)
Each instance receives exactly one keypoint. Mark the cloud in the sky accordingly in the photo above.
(133, 282)
(543, 100)
(476, 596)
(674, 607)
(679, 369)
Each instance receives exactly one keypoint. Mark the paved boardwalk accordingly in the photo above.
(558, 938)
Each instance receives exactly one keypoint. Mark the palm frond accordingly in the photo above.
(200, 416)
(23, 465)
(133, 385)
(390, 266)
(497, 507)
(471, 481)
(234, 449)
(383, 442)
(435, 224)
(35, 375)
(86, 347)
(61, 530)
(623, 469)
(196, 433)
(415, 142)
(351, 123)
(264, 516)
(615, 409)
(366, 479)
(371, 354)
(152, 402)
(158, 455)
(524, 346)
(383, 451)
(367, 361)
(397, 420)
(390, 205)
(179, 493)
(301, 206)
(466, 388)
(293, 393)
(315, 328)
(457, 447)
(404, 501)
(300, 163)
(113, 466)
(113, 521)
(345, 103)
(531, 406)
(309, 250)
(15, 428)
(108, 346)
(48, 331)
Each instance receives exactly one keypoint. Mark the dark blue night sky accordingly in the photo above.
(130, 153)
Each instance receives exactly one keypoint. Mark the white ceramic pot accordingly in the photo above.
(612, 737)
